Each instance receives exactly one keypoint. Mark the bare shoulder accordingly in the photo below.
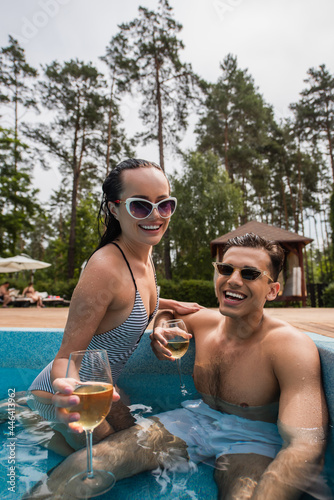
(202, 320)
(102, 272)
(287, 344)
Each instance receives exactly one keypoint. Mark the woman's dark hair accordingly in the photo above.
(251, 240)
(112, 190)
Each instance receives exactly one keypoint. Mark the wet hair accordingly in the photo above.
(113, 187)
(251, 240)
(5, 283)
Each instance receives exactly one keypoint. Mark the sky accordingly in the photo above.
(276, 40)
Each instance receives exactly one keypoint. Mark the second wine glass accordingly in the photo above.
(177, 344)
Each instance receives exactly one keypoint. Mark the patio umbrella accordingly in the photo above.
(21, 263)
(7, 268)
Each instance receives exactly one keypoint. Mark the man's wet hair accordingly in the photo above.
(251, 240)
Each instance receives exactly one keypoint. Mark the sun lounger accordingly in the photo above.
(55, 301)
(22, 302)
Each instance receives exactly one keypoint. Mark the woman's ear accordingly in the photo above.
(273, 291)
(112, 209)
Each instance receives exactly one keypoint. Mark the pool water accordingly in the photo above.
(150, 393)
(32, 461)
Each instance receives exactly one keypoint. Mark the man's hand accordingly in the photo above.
(159, 342)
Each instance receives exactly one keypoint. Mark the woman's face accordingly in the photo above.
(150, 184)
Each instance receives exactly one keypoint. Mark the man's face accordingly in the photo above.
(239, 297)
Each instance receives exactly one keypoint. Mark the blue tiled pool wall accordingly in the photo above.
(29, 351)
(33, 349)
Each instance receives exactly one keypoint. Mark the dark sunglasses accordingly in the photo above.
(141, 209)
(247, 273)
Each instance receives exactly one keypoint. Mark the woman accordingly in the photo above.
(31, 293)
(116, 297)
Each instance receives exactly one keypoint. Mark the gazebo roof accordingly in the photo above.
(266, 231)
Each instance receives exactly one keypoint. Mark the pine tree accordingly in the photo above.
(75, 93)
(146, 57)
(315, 110)
(235, 125)
(15, 90)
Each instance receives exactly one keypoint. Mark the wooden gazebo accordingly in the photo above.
(292, 280)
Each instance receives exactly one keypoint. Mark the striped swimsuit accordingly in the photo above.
(119, 343)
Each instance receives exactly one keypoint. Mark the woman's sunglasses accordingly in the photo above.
(141, 209)
(247, 273)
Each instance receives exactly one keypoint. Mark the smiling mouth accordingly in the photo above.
(234, 296)
(153, 227)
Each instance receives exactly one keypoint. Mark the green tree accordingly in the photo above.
(235, 125)
(208, 206)
(18, 208)
(292, 177)
(146, 58)
(15, 90)
(75, 93)
(315, 110)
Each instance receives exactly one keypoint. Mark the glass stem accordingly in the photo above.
(89, 441)
(178, 364)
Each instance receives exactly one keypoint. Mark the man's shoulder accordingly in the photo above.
(281, 335)
(202, 320)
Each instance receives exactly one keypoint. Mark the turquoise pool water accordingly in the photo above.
(150, 392)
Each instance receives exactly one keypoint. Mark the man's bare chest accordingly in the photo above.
(236, 374)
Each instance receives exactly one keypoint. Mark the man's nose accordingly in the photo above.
(235, 277)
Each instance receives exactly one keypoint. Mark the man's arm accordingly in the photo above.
(302, 419)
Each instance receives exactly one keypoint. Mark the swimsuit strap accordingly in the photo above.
(133, 279)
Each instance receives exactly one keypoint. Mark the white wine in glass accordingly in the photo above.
(177, 344)
(90, 373)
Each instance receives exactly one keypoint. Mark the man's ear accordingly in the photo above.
(273, 290)
(112, 209)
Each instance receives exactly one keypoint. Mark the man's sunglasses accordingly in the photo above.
(247, 273)
(141, 209)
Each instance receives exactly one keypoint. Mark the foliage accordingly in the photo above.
(328, 295)
(145, 54)
(75, 92)
(208, 204)
(235, 125)
(245, 165)
(293, 179)
(14, 75)
(18, 208)
(315, 110)
(199, 291)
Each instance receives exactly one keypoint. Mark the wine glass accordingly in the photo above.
(89, 372)
(177, 344)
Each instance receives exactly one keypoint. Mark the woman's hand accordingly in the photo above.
(64, 398)
(179, 307)
(159, 341)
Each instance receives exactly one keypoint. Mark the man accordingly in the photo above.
(252, 371)
(4, 294)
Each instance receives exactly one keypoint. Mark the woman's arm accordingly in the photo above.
(179, 307)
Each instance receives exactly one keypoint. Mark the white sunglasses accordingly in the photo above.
(139, 208)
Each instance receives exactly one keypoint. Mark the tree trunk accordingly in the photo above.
(71, 245)
(109, 126)
(167, 259)
(160, 117)
(226, 147)
(329, 138)
(76, 176)
(285, 206)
